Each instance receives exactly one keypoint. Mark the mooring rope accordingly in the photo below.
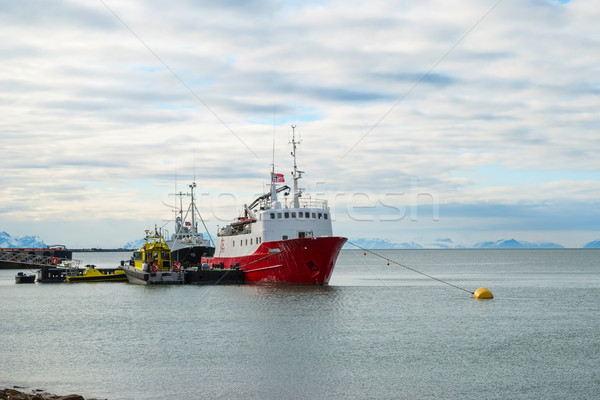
(243, 265)
(260, 259)
(409, 268)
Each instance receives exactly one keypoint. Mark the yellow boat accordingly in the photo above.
(151, 264)
(93, 274)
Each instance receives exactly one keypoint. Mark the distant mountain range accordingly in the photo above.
(7, 241)
(374, 243)
(446, 243)
(593, 245)
(515, 244)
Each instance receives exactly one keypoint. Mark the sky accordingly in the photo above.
(428, 121)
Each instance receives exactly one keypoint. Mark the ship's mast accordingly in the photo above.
(193, 206)
(193, 209)
(274, 201)
(297, 173)
(179, 220)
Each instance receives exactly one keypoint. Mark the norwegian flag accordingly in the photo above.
(278, 178)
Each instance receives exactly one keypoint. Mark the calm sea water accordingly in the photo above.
(376, 332)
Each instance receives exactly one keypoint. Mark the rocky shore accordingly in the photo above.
(22, 393)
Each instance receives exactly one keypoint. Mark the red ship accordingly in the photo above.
(275, 242)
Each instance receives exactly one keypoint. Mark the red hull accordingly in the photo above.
(300, 261)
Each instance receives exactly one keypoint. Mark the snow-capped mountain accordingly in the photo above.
(515, 244)
(8, 241)
(134, 244)
(447, 243)
(375, 243)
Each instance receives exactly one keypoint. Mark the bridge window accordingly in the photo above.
(293, 214)
(272, 215)
(286, 214)
(284, 237)
(278, 215)
(250, 240)
(320, 215)
(246, 242)
(314, 215)
(307, 214)
(325, 215)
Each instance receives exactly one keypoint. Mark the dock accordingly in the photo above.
(34, 257)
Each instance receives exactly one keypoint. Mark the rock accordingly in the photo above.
(13, 394)
(48, 396)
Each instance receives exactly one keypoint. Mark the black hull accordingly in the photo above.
(51, 275)
(191, 255)
(215, 277)
(23, 278)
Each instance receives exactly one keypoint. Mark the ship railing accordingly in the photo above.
(73, 267)
(230, 231)
(313, 203)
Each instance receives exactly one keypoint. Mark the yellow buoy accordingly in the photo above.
(483, 293)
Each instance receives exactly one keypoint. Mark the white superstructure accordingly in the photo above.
(268, 220)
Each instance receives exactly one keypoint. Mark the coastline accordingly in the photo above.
(24, 393)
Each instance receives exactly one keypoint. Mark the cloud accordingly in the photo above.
(62, 13)
(97, 121)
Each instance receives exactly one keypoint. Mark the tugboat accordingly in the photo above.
(151, 264)
(187, 245)
(281, 243)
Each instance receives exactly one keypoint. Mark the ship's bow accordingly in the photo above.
(307, 261)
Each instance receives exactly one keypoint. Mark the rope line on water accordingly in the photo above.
(409, 268)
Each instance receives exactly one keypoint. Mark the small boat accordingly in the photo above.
(151, 264)
(58, 273)
(48, 274)
(22, 277)
(93, 274)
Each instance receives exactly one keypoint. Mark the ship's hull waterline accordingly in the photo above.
(140, 277)
(305, 261)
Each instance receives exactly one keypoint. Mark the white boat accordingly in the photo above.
(281, 242)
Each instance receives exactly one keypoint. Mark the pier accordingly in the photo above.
(33, 258)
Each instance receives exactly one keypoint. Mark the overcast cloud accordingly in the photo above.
(486, 110)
